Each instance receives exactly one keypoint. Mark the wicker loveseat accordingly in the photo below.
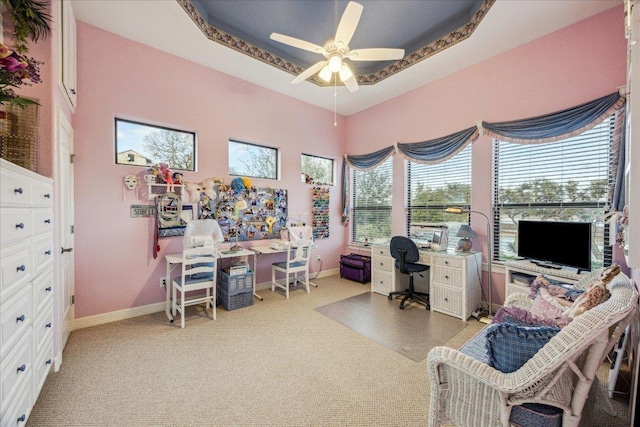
(469, 393)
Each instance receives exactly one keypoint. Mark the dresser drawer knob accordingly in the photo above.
(48, 289)
(446, 262)
(20, 318)
(446, 300)
(21, 225)
(47, 196)
(48, 362)
(446, 277)
(48, 325)
(22, 418)
(21, 268)
(47, 221)
(18, 190)
(22, 368)
(47, 252)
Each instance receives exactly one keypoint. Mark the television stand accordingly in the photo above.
(545, 264)
(527, 267)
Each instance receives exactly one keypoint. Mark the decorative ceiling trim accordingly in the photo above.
(239, 45)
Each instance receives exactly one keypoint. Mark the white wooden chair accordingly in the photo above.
(467, 392)
(198, 274)
(297, 262)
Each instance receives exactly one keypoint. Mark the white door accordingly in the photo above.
(65, 227)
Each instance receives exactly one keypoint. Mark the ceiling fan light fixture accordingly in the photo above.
(325, 74)
(345, 72)
(335, 63)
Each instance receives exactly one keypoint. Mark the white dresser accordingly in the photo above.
(453, 283)
(26, 290)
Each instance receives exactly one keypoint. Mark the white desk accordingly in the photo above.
(267, 250)
(174, 260)
(454, 278)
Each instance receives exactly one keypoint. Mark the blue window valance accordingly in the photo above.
(556, 126)
(440, 149)
(366, 162)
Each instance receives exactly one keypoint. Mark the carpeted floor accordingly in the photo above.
(411, 332)
(278, 362)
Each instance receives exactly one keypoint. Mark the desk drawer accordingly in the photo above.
(380, 251)
(448, 276)
(447, 300)
(445, 261)
(382, 263)
(381, 282)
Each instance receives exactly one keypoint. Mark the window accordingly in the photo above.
(252, 160)
(142, 144)
(433, 188)
(559, 181)
(317, 170)
(371, 214)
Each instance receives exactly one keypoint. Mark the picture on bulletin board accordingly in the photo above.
(251, 214)
(171, 215)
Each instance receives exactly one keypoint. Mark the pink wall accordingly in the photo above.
(115, 268)
(576, 64)
(114, 265)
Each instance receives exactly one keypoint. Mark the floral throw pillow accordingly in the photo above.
(548, 313)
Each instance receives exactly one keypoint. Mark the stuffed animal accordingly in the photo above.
(237, 185)
(208, 187)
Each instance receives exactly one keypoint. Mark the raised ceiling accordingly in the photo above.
(232, 36)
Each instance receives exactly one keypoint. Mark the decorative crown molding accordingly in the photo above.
(239, 45)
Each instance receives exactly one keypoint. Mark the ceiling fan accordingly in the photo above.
(337, 50)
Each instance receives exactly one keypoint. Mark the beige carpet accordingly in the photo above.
(276, 363)
(411, 332)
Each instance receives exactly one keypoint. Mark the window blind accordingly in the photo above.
(372, 200)
(431, 188)
(566, 180)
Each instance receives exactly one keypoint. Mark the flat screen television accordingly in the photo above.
(555, 243)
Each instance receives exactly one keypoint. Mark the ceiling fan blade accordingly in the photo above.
(351, 83)
(309, 72)
(348, 23)
(300, 44)
(379, 54)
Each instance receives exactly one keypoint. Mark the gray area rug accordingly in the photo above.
(411, 332)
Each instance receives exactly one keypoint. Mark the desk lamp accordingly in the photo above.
(466, 232)
(456, 210)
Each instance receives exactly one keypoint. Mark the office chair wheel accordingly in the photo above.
(401, 306)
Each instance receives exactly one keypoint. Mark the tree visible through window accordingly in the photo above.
(372, 197)
(142, 144)
(318, 170)
(433, 188)
(558, 181)
(252, 160)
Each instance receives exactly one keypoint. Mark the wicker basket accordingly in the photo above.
(19, 135)
(232, 302)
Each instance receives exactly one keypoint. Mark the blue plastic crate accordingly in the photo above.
(232, 302)
(236, 284)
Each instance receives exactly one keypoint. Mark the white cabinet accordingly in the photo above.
(382, 270)
(67, 71)
(26, 289)
(455, 283)
(516, 271)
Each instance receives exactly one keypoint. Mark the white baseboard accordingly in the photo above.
(114, 316)
(128, 313)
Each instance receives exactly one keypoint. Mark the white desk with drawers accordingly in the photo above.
(453, 282)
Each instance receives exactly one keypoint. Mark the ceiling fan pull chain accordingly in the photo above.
(335, 102)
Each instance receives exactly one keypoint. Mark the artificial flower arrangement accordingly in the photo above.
(30, 21)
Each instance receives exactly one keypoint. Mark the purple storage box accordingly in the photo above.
(355, 267)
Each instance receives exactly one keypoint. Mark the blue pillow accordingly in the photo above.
(510, 346)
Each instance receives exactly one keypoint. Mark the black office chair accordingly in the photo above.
(406, 254)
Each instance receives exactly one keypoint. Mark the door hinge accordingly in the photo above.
(73, 299)
(72, 157)
(73, 229)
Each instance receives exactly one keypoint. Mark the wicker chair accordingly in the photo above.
(469, 393)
